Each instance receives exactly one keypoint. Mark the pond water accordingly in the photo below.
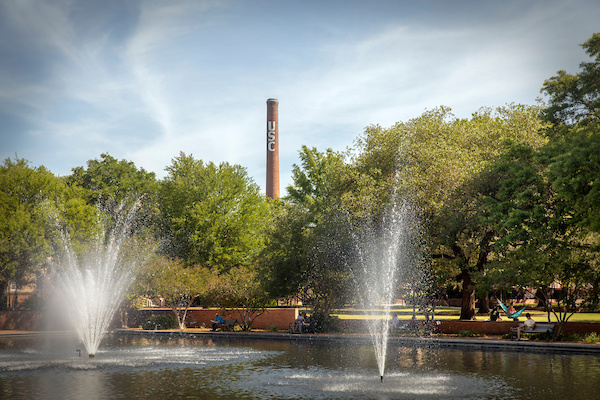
(204, 368)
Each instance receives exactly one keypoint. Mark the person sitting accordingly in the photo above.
(217, 322)
(528, 325)
(299, 323)
(495, 314)
(395, 323)
(309, 324)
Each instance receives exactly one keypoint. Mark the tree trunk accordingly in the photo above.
(180, 315)
(3, 296)
(467, 309)
(541, 296)
(484, 303)
(484, 250)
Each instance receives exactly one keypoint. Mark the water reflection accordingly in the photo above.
(216, 369)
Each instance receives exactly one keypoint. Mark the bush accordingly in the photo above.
(592, 337)
(329, 324)
(467, 334)
(160, 322)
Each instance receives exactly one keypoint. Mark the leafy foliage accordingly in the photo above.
(160, 322)
(109, 178)
(177, 285)
(25, 241)
(212, 215)
(575, 99)
(240, 290)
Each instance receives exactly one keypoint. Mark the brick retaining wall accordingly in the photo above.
(280, 317)
(484, 327)
(199, 317)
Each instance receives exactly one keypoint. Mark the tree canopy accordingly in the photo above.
(25, 240)
(575, 99)
(211, 215)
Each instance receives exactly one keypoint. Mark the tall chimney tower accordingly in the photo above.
(272, 148)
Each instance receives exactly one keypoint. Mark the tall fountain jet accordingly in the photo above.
(272, 187)
(92, 285)
(390, 257)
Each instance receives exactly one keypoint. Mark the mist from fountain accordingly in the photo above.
(91, 286)
(389, 256)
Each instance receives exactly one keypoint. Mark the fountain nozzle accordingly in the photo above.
(381, 378)
(91, 355)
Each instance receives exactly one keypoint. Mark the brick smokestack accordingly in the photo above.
(272, 188)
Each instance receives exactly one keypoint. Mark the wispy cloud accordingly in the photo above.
(145, 80)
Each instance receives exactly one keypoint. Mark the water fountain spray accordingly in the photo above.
(386, 252)
(93, 285)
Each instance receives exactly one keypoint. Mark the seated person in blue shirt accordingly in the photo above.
(218, 321)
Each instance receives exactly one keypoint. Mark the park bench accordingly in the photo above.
(548, 329)
(227, 325)
(307, 327)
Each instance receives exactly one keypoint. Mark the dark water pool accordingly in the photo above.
(153, 368)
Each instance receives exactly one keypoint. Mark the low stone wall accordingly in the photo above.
(201, 317)
(279, 317)
(502, 327)
(20, 320)
(32, 321)
(483, 327)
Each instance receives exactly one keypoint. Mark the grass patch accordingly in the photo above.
(452, 314)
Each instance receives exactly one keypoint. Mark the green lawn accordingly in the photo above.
(445, 313)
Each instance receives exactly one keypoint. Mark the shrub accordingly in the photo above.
(592, 337)
(570, 337)
(467, 334)
(160, 322)
(273, 328)
(330, 324)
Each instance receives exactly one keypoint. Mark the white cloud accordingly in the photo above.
(194, 76)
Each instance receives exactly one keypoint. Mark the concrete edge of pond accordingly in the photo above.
(463, 343)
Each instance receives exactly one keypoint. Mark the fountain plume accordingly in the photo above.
(92, 285)
(388, 254)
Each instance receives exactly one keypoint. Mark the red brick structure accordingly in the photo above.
(201, 317)
(272, 187)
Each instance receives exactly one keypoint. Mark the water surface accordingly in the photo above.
(152, 368)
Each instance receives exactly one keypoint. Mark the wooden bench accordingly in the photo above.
(227, 325)
(548, 329)
(304, 328)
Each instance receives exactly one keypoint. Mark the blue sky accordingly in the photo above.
(144, 80)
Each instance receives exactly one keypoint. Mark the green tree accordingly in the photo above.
(558, 243)
(283, 260)
(573, 165)
(241, 290)
(315, 180)
(433, 159)
(213, 216)
(328, 281)
(109, 178)
(536, 247)
(177, 285)
(25, 240)
(514, 204)
(324, 257)
(573, 153)
(575, 99)
(107, 185)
